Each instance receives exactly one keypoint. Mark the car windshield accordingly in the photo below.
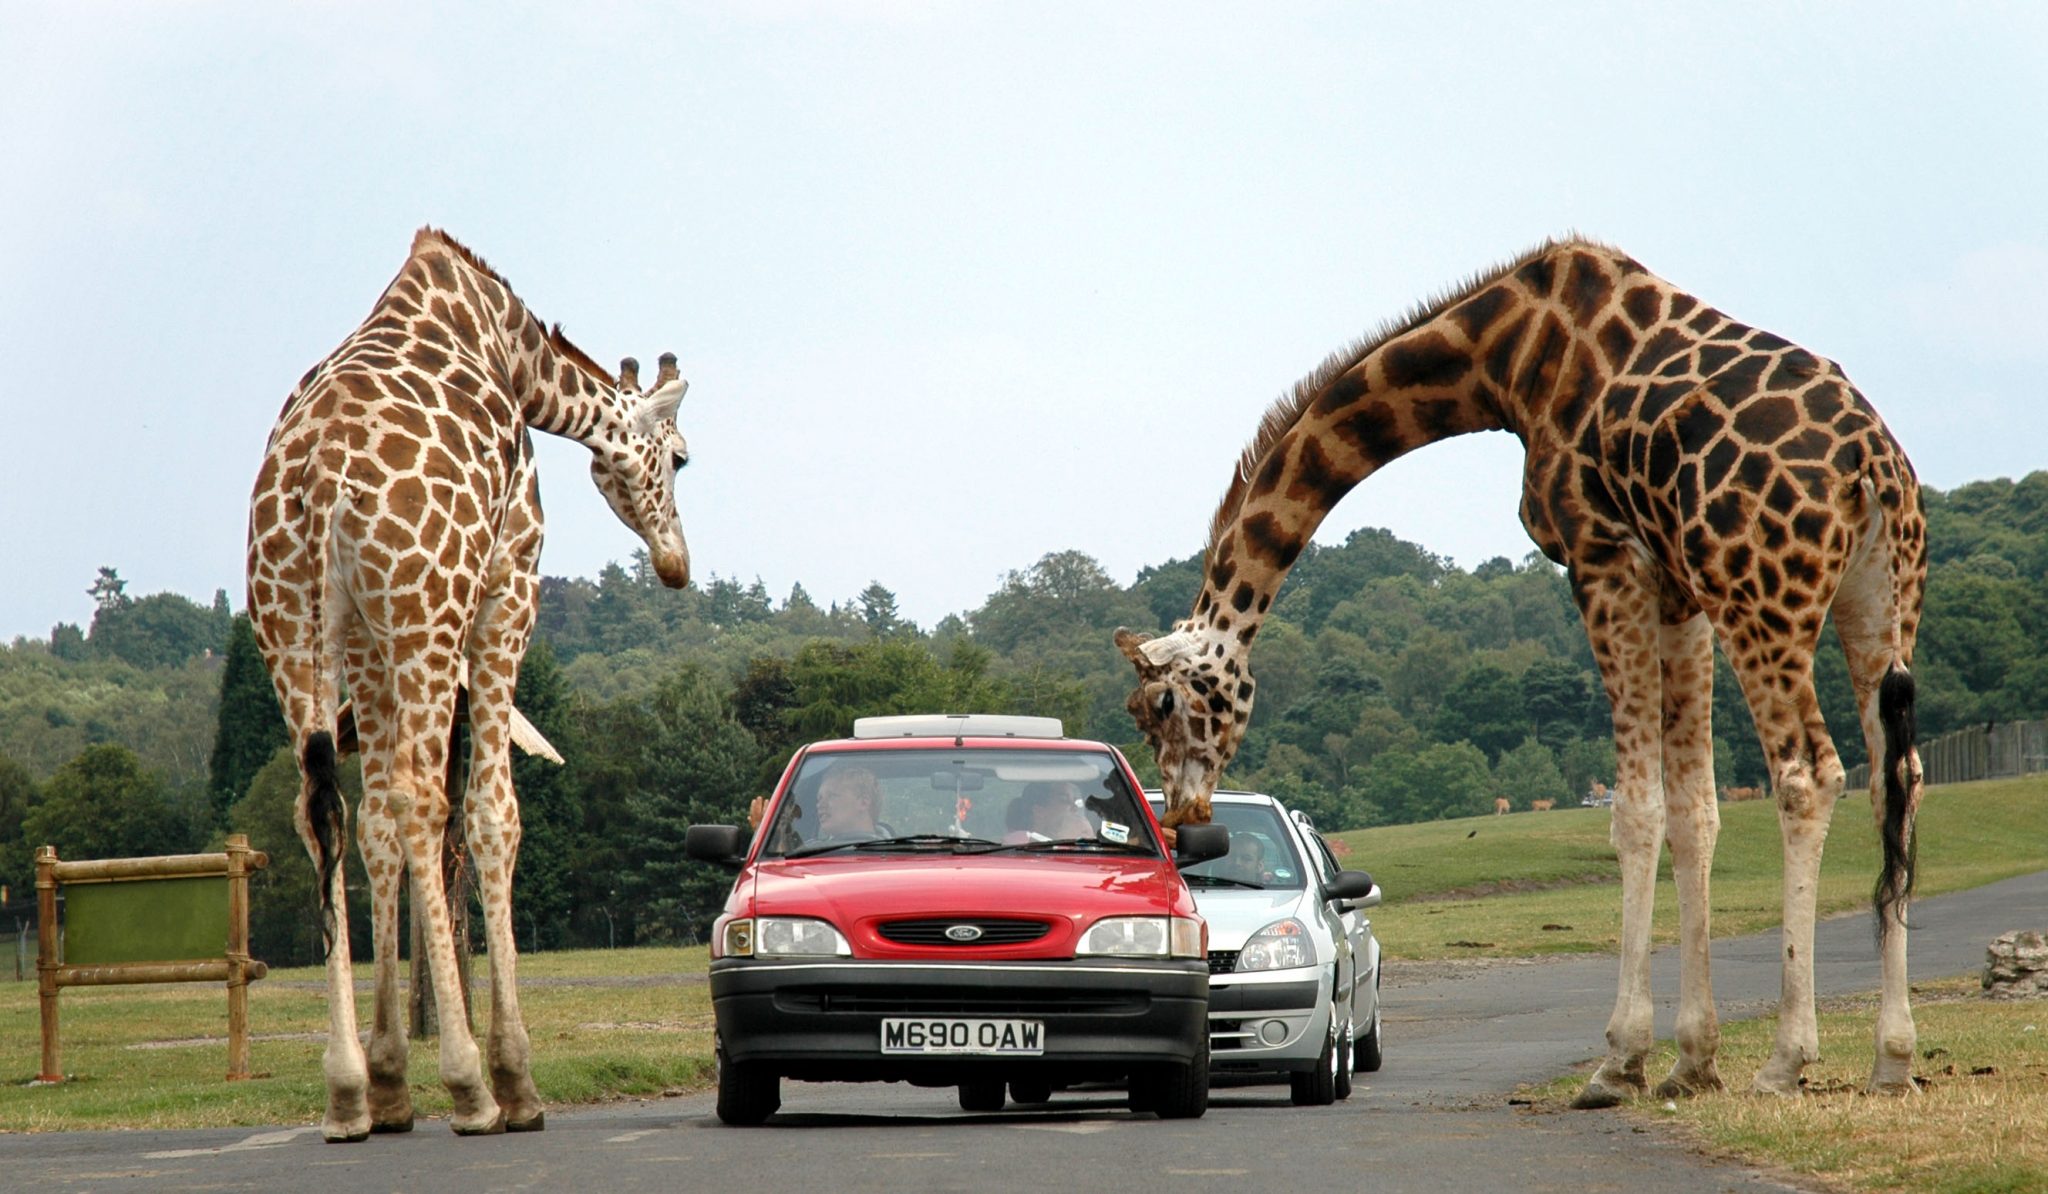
(957, 801)
(1262, 852)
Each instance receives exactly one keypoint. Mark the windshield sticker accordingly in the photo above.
(1113, 832)
(1283, 873)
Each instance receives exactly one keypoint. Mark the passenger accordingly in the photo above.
(1247, 859)
(849, 802)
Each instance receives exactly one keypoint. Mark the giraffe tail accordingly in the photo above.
(324, 812)
(1897, 839)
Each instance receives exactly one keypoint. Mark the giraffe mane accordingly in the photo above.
(1281, 417)
(431, 238)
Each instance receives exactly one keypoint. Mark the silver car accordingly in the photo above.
(1294, 969)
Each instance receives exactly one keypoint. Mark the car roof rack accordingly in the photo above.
(958, 725)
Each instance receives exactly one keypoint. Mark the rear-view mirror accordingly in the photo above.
(1200, 843)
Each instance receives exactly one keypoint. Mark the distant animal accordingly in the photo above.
(1698, 479)
(1474, 833)
(1500, 805)
(1541, 806)
(1734, 794)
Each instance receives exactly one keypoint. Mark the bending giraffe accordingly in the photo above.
(1697, 479)
(394, 542)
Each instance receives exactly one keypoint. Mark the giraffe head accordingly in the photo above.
(1192, 703)
(635, 468)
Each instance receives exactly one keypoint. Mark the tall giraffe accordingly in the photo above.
(394, 541)
(1697, 478)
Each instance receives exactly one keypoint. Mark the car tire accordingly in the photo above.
(1365, 1055)
(747, 1093)
(1342, 1084)
(982, 1094)
(1317, 1087)
(1030, 1091)
(1174, 1091)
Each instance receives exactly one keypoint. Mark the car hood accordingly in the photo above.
(1235, 913)
(859, 893)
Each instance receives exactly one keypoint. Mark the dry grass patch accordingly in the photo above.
(1976, 1127)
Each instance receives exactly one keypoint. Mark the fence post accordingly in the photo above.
(46, 958)
(238, 955)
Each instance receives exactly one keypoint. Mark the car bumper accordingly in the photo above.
(822, 1021)
(1268, 1020)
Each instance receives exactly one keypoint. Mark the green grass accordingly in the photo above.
(1558, 869)
(1975, 1128)
(155, 1056)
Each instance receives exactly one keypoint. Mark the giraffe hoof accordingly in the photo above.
(383, 1126)
(340, 1134)
(1598, 1096)
(1675, 1087)
(538, 1123)
(496, 1127)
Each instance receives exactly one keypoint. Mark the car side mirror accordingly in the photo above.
(724, 845)
(1354, 887)
(1200, 843)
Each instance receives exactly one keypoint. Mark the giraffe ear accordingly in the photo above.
(660, 406)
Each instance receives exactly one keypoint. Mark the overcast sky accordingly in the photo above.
(957, 285)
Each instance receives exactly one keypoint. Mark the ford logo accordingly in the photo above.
(963, 932)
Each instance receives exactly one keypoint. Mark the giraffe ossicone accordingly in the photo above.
(394, 547)
(1700, 481)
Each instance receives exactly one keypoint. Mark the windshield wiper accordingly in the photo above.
(1077, 843)
(912, 839)
(1199, 880)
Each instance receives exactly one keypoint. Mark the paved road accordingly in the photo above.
(1435, 1120)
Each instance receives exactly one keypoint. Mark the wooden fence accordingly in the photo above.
(181, 918)
(1997, 750)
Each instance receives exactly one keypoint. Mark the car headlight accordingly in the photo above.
(784, 937)
(1281, 945)
(1144, 937)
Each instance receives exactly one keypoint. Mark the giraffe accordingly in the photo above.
(394, 540)
(1697, 479)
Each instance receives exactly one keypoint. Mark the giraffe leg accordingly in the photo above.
(422, 771)
(1807, 779)
(1621, 619)
(1864, 618)
(494, 831)
(377, 837)
(342, 1064)
(1693, 823)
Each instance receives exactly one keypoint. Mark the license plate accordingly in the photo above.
(1003, 1038)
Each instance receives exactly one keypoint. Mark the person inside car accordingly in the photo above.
(849, 801)
(1247, 859)
(1047, 811)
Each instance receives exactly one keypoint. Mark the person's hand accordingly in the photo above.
(755, 811)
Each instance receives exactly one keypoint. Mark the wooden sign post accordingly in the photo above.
(148, 920)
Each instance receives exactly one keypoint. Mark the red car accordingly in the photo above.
(964, 900)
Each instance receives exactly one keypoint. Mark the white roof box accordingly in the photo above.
(958, 725)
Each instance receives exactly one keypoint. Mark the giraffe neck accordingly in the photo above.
(1505, 354)
(453, 301)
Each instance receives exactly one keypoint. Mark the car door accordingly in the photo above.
(1351, 923)
(1322, 871)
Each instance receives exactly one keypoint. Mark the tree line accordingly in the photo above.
(1393, 687)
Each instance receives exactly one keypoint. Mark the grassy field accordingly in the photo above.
(153, 1056)
(1549, 880)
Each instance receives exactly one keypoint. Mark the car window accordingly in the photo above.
(1003, 797)
(1262, 851)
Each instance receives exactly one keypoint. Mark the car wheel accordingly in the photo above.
(1317, 1087)
(1030, 1091)
(1342, 1085)
(1174, 1091)
(982, 1094)
(747, 1093)
(1366, 1054)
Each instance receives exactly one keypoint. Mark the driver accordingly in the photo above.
(849, 801)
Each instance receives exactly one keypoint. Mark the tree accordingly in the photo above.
(102, 804)
(160, 630)
(1484, 708)
(108, 590)
(878, 610)
(250, 726)
(17, 857)
(1440, 780)
(1556, 697)
(543, 881)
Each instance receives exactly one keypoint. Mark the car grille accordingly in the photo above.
(993, 932)
(1222, 961)
(923, 1001)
